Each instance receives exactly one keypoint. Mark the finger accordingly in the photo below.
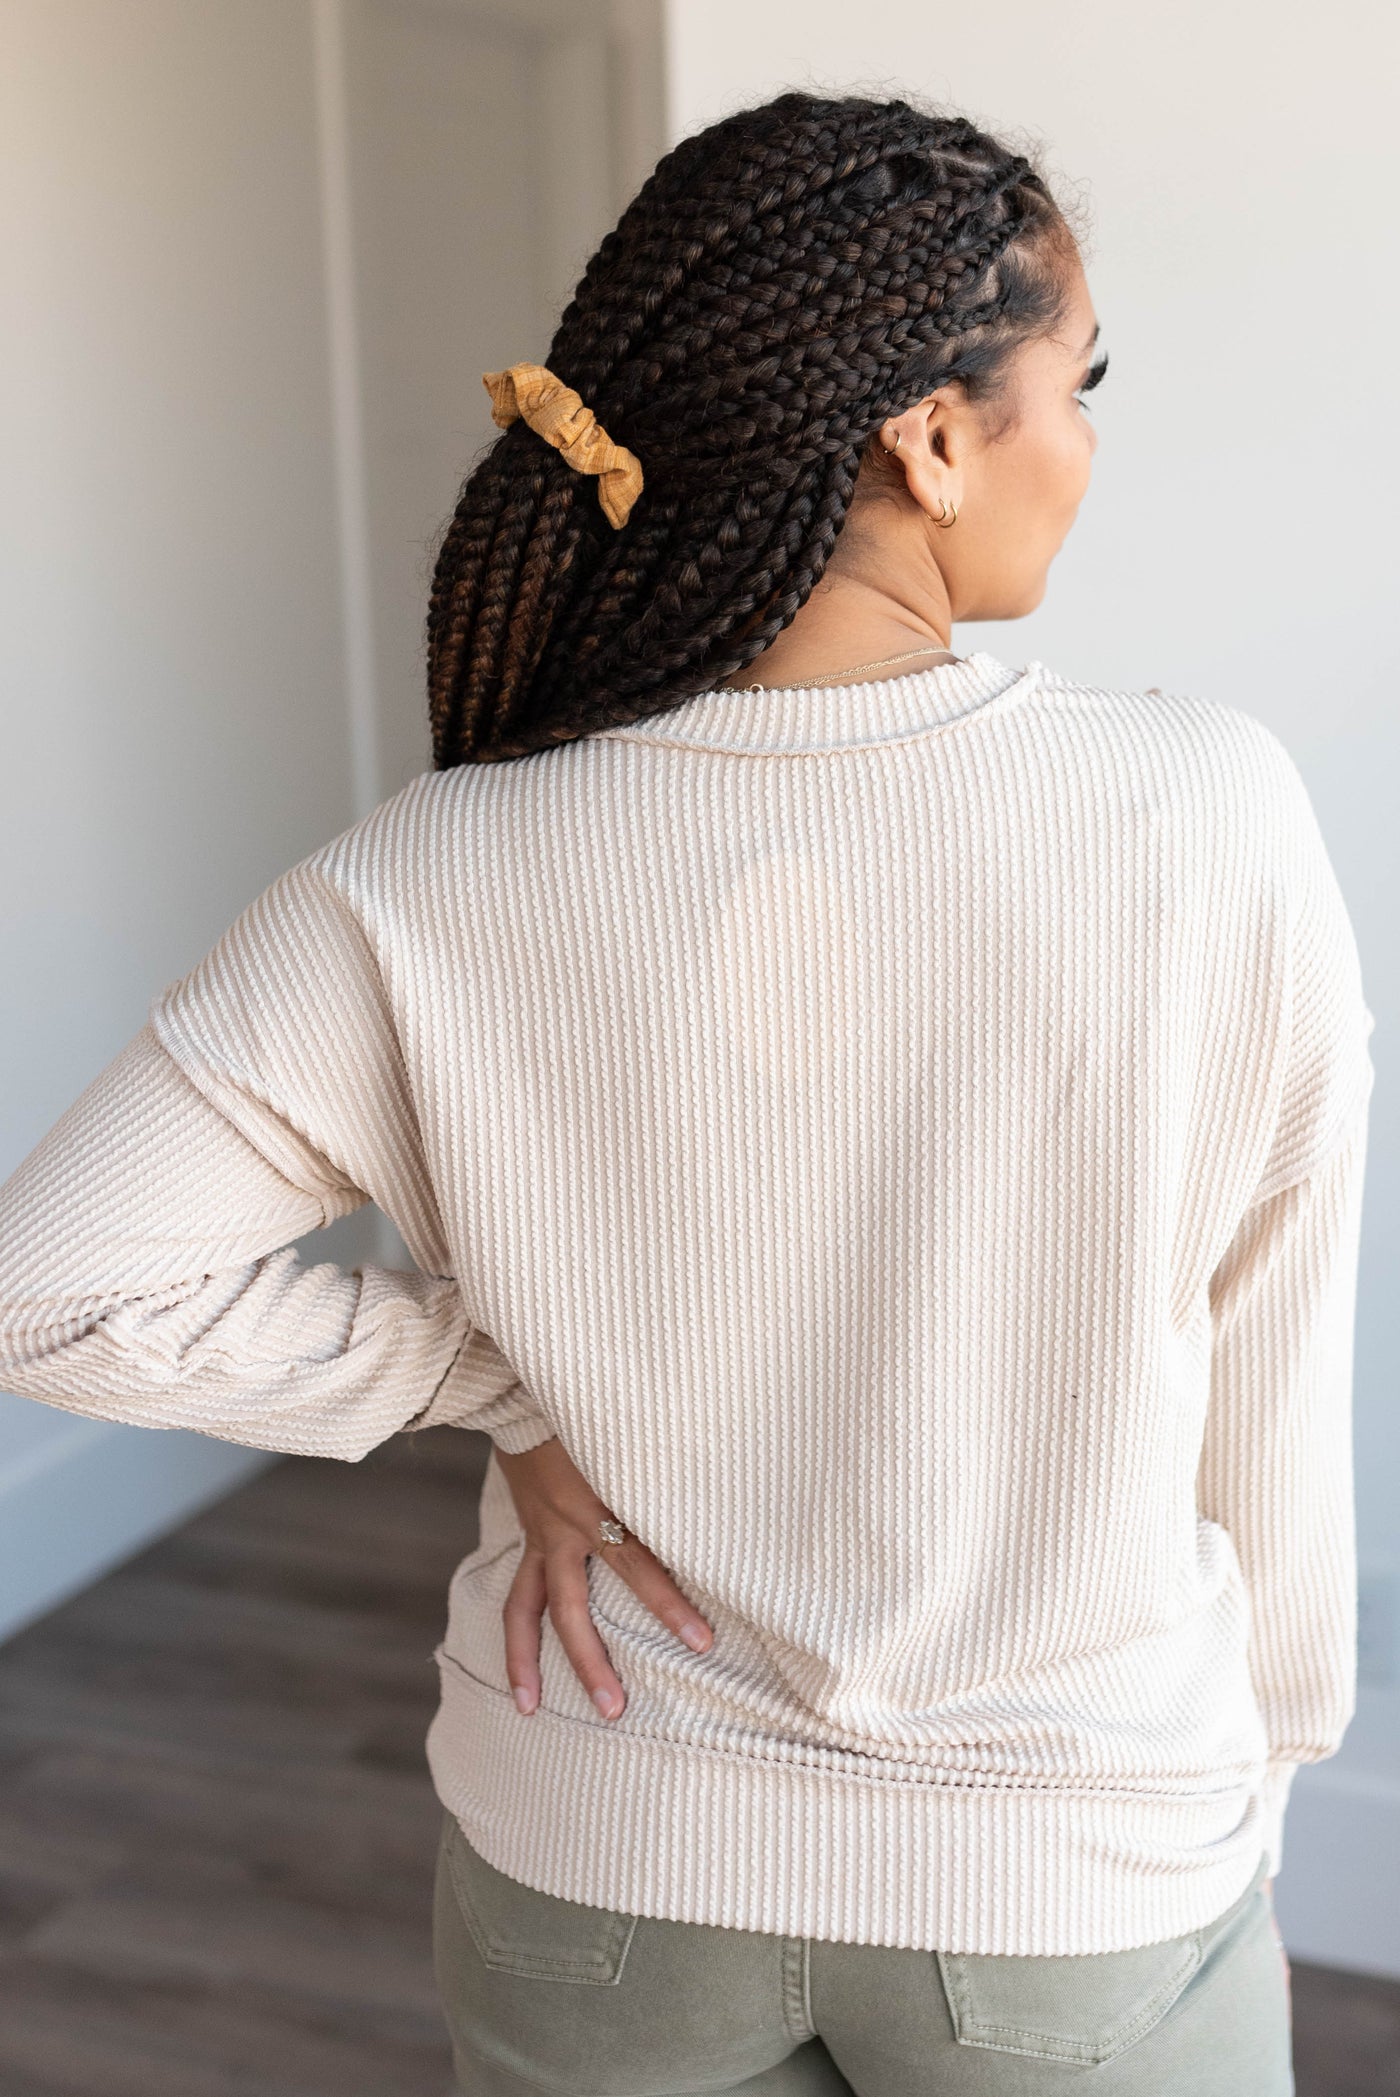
(652, 1584)
(523, 1609)
(567, 1576)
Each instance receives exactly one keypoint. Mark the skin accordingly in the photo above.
(897, 579)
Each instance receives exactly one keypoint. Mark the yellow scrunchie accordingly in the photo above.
(558, 413)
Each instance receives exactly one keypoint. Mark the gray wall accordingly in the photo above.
(1239, 539)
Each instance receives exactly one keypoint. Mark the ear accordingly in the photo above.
(930, 451)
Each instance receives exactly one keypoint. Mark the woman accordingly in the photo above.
(881, 1134)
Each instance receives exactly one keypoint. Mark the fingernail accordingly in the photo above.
(694, 1636)
(523, 1699)
(603, 1698)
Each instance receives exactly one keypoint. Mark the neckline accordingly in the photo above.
(829, 717)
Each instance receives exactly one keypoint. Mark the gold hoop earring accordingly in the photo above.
(942, 513)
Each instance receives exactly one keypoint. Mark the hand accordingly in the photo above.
(559, 1513)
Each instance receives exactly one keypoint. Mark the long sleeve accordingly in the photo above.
(146, 1268)
(1276, 1465)
(1277, 1461)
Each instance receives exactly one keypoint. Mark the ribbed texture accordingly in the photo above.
(907, 1140)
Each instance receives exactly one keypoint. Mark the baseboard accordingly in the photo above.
(91, 1495)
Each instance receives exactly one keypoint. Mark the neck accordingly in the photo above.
(866, 607)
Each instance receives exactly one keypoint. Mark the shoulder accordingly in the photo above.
(445, 842)
(404, 837)
(1212, 751)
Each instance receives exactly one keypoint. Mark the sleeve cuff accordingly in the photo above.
(480, 1390)
(522, 1431)
(1273, 1803)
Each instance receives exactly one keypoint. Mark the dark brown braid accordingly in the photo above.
(782, 283)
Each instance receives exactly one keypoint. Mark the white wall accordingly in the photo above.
(1239, 539)
(170, 648)
(483, 171)
(256, 255)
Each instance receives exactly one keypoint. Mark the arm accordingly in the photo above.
(1276, 1467)
(1276, 1461)
(146, 1270)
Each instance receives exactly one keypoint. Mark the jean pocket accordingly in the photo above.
(518, 1929)
(1082, 2008)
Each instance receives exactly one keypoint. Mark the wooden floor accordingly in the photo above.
(216, 1827)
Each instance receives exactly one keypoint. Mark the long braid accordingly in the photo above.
(782, 283)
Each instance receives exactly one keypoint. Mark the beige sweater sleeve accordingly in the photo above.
(146, 1268)
(1276, 1463)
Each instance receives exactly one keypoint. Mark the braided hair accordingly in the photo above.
(782, 283)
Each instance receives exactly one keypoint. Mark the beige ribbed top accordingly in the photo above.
(906, 1139)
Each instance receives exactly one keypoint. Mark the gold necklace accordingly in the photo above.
(841, 676)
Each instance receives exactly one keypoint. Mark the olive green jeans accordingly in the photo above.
(543, 1994)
